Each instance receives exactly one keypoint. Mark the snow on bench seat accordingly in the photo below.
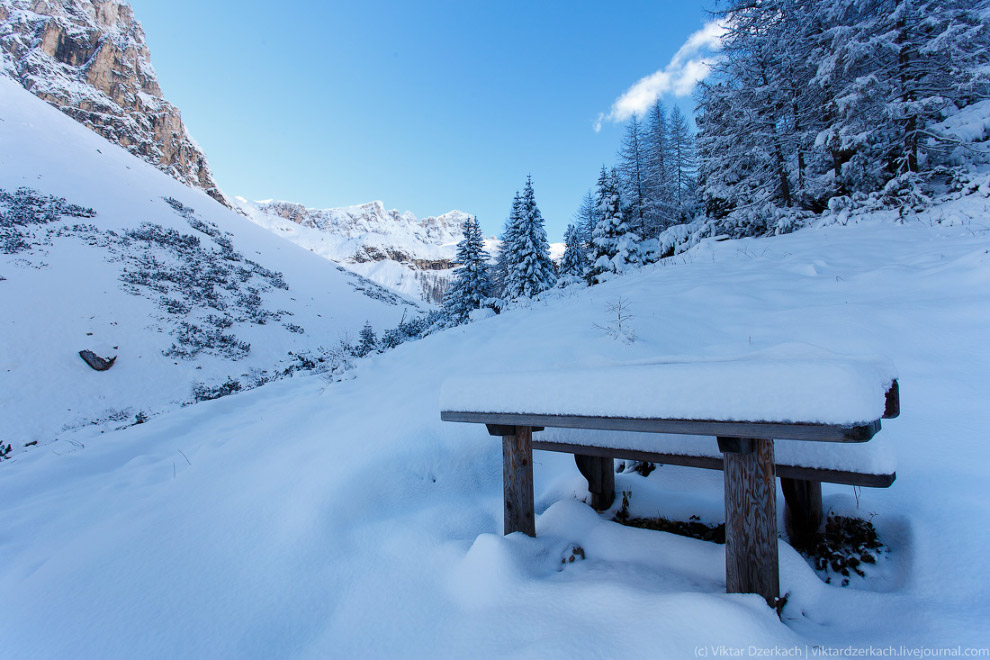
(819, 390)
(874, 460)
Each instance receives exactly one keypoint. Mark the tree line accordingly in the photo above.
(811, 105)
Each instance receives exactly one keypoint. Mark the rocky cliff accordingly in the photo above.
(414, 256)
(89, 59)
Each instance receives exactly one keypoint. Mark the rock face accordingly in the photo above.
(394, 249)
(89, 59)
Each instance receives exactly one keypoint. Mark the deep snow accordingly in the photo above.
(310, 518)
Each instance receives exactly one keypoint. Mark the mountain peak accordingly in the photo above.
(89, 59)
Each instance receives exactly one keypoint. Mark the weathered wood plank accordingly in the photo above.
(503, 430)
(600, 473)
(802, 510)
(517, 481)
(756, 430)
(716, 463)
(751, 522)
(892, 401)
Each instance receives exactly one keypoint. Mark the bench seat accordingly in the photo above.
(868, 464)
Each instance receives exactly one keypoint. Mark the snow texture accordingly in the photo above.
(758, 388)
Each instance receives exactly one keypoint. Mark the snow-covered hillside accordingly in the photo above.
(100, 251)
(316, 519)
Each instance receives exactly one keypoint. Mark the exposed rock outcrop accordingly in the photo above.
(89, 59)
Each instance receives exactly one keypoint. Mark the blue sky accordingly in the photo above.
(427, 106)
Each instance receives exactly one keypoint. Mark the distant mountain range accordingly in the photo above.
(394, 249)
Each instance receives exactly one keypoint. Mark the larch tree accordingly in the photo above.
(632, 169)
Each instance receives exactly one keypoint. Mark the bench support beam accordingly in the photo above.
(750, 518)
(802, 510)
(600, 473)
(517, 481)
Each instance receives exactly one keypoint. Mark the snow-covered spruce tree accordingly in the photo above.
(615, 245)
(575, 259)
(367, 342)
(529, 269)
(508, 242)
(472, 283)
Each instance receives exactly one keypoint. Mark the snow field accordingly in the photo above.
(322, 518)
(314, 519)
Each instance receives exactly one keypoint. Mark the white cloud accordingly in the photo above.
(689, 65)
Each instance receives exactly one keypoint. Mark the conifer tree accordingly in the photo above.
(586, 219)
(659, 210)
(529, 269)
(472, 284)
(367, 342)
(575, 259)
(810, 100)
(508, 242)
(633, 170)
(682, 164)
(615, 245)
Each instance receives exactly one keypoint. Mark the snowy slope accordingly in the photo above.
(74, 285)
(309, 519)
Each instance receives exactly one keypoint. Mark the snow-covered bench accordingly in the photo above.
(819, 410)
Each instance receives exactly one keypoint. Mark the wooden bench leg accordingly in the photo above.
(517, 481)
(802, 510)
(750, 518)
(600, 473)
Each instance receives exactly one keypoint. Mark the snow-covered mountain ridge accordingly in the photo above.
(413, 256)
(89, 59)
(397, 250)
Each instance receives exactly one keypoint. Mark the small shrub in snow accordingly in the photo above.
(25, 208)
(368, 288)
(692, 528)
(619, 321)
(292, 327)
(204, 392)
(367, 342)
(191, 340)
(846, 546)
(193, 275)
